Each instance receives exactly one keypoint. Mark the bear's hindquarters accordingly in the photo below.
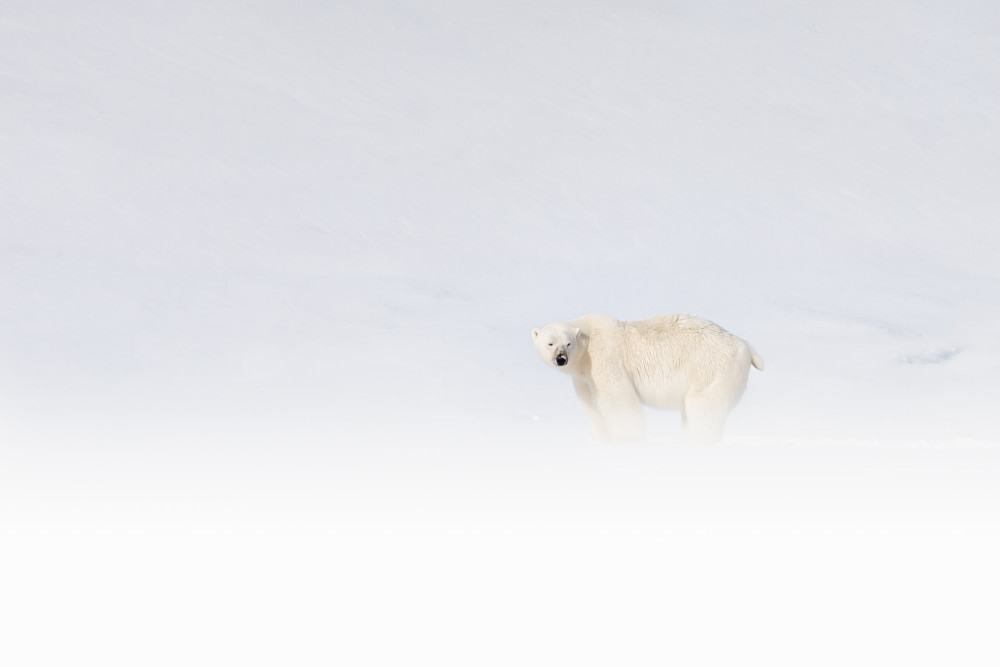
(704, 413)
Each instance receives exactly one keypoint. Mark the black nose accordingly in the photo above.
(561, 360)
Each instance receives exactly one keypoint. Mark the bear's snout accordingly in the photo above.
(561, 359)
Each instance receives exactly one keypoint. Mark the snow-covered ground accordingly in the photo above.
(267, 276)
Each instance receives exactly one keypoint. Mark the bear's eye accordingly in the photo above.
(569, 344)
(550, 344)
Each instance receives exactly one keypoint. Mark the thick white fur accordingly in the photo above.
(675, 362)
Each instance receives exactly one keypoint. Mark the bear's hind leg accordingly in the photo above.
(704, 418)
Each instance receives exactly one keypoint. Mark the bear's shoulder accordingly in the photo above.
(594, 322)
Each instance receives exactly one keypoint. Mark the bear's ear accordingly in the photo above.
(576, 332)
(534, 334)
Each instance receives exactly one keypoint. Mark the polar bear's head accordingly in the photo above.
(559, 345)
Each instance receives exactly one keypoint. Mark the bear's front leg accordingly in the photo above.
(585, 392)
(622, 415)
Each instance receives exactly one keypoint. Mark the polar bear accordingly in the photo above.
(674, 362)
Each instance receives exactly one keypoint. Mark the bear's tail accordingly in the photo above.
(755, 359)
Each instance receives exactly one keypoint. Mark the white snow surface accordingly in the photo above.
(267, 276)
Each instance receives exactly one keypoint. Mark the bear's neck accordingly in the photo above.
(582, 366)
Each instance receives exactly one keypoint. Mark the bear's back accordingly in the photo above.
(679, 348)
(678, 324)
